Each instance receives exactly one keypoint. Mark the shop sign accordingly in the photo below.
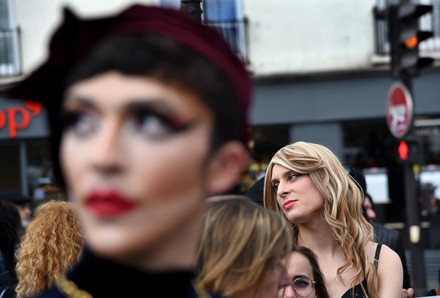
(18, 116)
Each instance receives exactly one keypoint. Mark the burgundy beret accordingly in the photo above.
(75, 38)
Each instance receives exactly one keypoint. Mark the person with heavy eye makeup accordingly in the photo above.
(307, 184)
(148, 114)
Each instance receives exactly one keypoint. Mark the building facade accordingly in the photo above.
(321, 73)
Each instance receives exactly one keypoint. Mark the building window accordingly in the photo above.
(10, 64)
(227, 17)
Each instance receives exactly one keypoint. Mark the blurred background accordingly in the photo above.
(321, 72)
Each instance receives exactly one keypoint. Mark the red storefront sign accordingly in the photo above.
(18, 118)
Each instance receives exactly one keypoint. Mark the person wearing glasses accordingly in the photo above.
(242, 249)
(308, 185)
(148, 113)
(306, 276)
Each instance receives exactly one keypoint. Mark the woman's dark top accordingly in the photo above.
(103, 278)
(356, 291)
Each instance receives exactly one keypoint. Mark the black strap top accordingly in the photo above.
(377, 254)
(356, 291)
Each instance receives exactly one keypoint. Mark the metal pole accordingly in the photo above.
(193, 8)
(418, 270)
(23, 167)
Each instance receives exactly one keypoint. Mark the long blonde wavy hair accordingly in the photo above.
(241, 242)
(51, 244)
(342, 205)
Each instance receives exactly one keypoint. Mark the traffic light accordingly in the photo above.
(408, 151)
(405, 37)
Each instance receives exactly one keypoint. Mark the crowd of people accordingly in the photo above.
(148, 111)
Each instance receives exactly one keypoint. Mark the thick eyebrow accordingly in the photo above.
(133, 105)
(80, 101)
(150, 104)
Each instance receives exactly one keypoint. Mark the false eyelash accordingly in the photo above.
(174, 124)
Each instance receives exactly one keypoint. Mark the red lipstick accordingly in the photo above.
(288, 204)
(108, 203)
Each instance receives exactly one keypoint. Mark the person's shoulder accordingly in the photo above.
(385, 235)
(389, 271)
(388, 259)
(380, 227)
(381, 253)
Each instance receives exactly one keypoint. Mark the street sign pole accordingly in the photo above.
(418, 270)
(405, 36)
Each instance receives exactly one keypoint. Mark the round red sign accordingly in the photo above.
(399, 110)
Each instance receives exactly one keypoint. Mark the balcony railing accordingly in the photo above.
(10, 58)
(236, 34)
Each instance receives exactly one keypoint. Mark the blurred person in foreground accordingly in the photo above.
(10, 228)
(148, 112)
(51, 244)
(307, 184)
(382, 234)
(242, 249)
(307, 280)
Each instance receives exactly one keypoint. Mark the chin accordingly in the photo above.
(117, 246)
(123, 254)
(293, 218)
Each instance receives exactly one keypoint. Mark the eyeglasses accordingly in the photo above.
(303, 286)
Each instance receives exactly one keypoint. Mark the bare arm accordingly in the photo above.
(390, 272)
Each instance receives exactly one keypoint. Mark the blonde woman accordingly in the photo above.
(308, 185)
(242, 249)
(51, 245)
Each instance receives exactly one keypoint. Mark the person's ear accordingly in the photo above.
(226, 167)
